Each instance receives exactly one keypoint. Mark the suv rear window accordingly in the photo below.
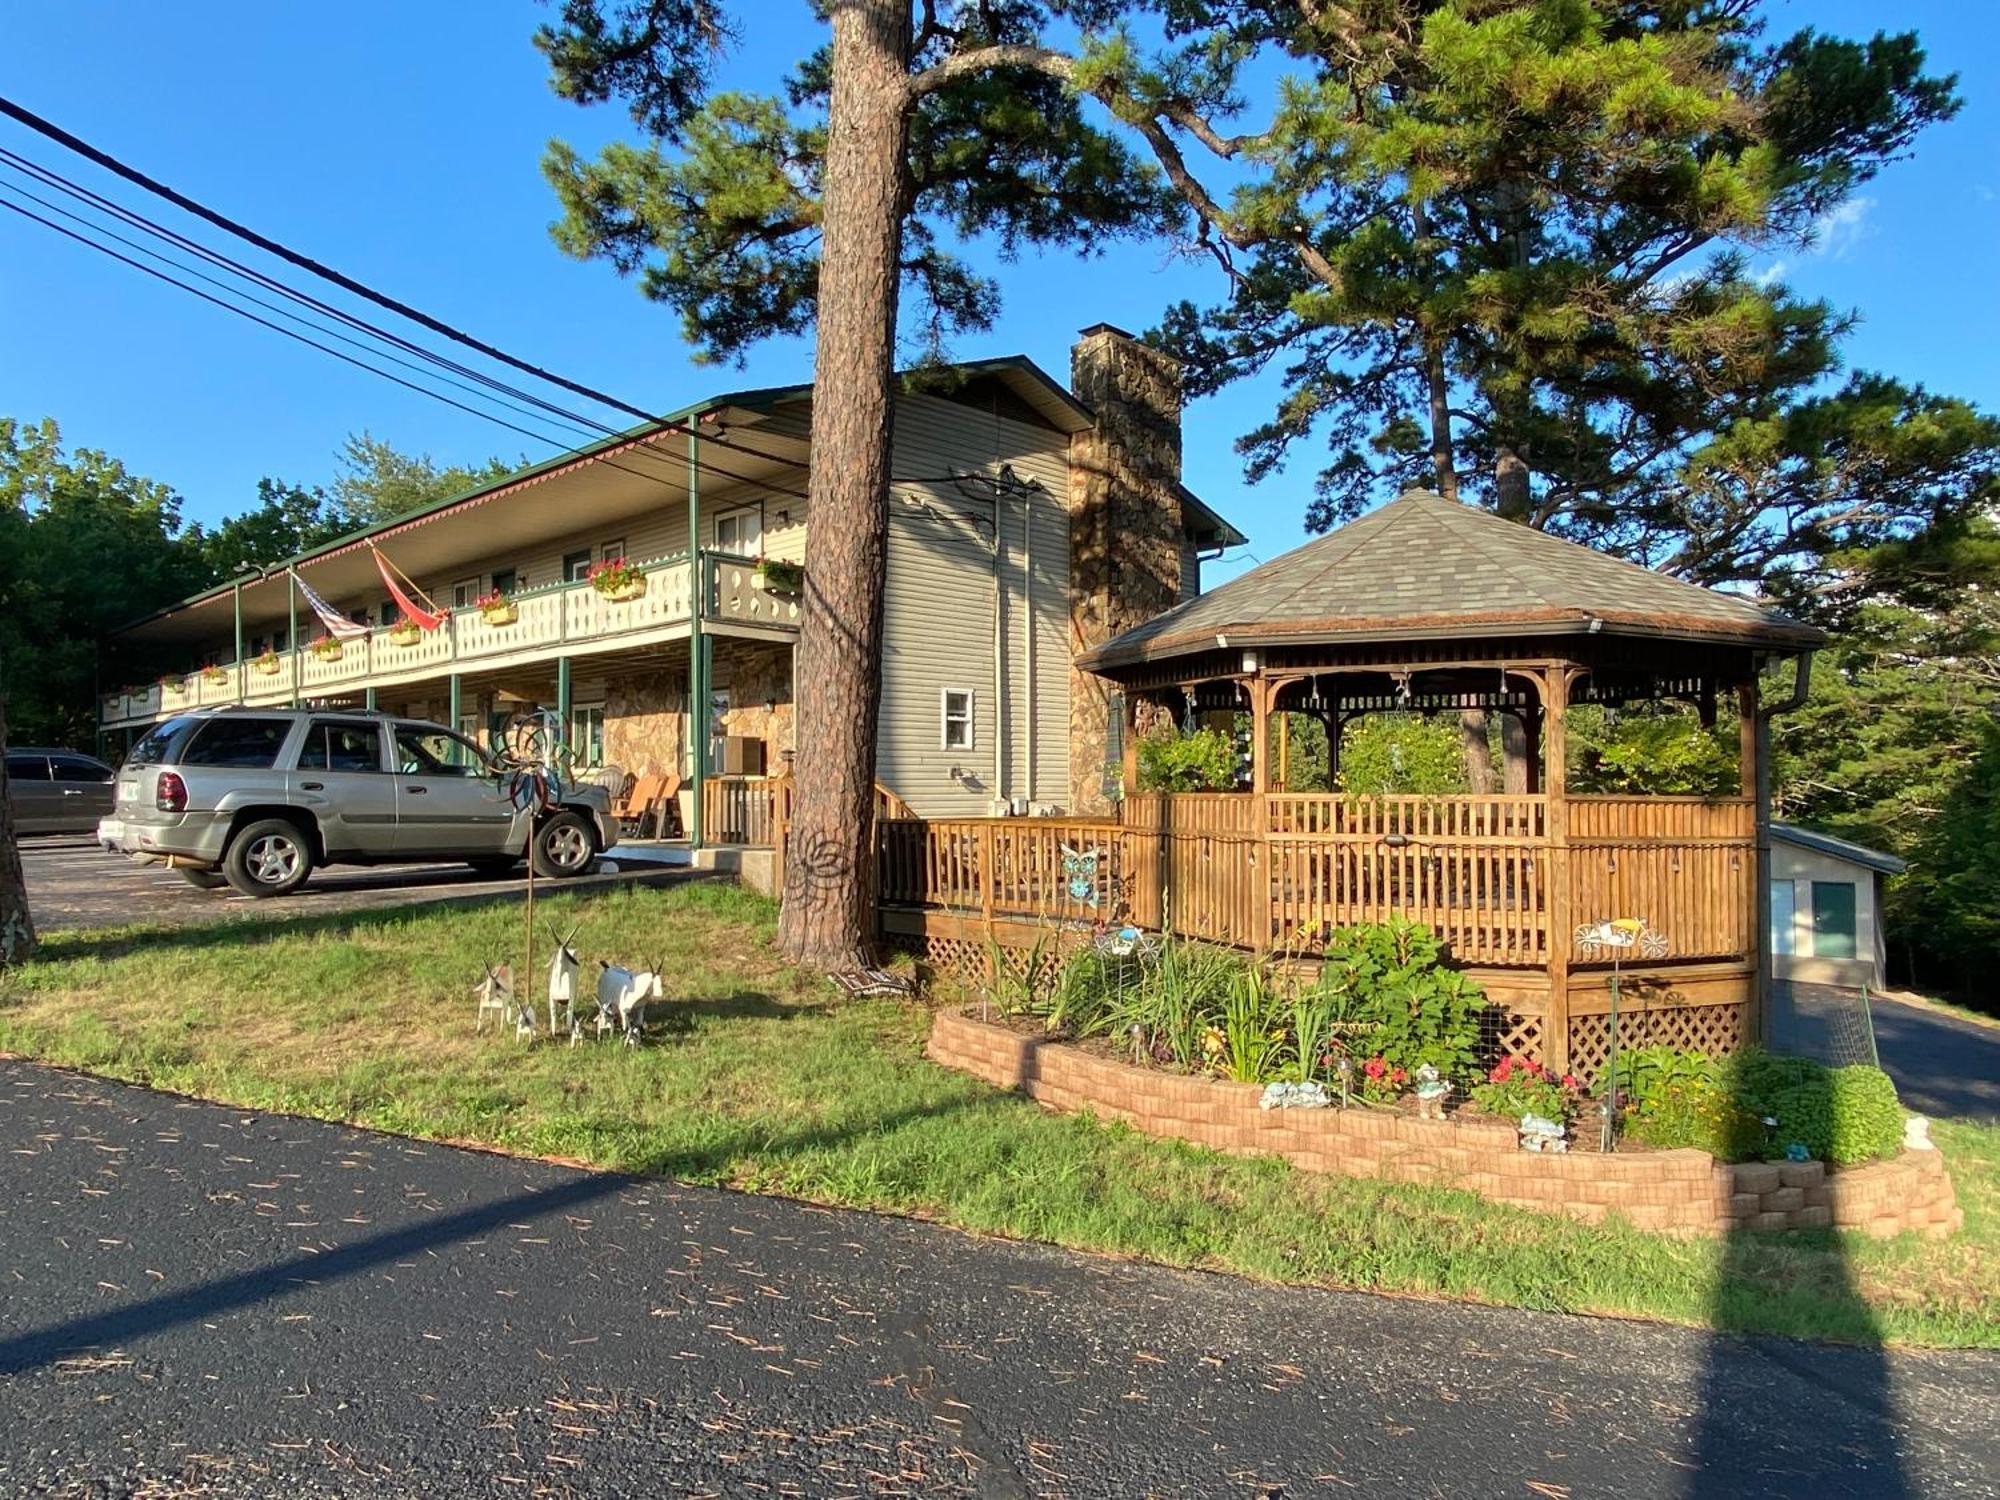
(234, 741)
(163, 743)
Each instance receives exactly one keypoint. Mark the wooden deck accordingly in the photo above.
(1504, 880)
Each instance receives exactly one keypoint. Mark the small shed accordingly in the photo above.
(1826, 908)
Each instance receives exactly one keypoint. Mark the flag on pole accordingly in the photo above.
(401, 587)
(337, 624)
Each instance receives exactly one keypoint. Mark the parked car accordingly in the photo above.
(260, 798)
(57, 791)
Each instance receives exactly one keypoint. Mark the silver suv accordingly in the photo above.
(259, 798)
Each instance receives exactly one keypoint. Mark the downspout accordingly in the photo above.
(697, 683)
(1028, 633)
(236, 589)
(1794, 700)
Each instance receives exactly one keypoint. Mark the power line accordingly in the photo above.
(572, 419)
(270, 246)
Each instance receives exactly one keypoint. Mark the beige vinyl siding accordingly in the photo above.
(938, 629)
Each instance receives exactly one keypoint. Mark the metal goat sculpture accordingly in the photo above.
(622, 997)
(495, 994)
(563, 968)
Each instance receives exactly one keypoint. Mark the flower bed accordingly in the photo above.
(1682, 1191)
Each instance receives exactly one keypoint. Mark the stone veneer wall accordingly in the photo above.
(646, 714)
(1125, 524)
(1682, 1192)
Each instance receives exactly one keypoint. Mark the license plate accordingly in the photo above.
(110, 830)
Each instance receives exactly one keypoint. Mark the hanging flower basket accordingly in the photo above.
(618, 580)
(173, 682)
(326, 648)
(267, 664)
(215, 674)
(775, 577)
(404, 633)
(496, 608)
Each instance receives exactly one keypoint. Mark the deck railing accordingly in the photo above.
(546, 620)
(1282, 870)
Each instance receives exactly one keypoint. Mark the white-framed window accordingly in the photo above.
(740, 533)
(586, 733)
(955, 707)
(612, 551)
(464, 592)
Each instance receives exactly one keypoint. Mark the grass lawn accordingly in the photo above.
(775, 1086)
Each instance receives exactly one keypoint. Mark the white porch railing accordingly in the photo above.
(546, 621)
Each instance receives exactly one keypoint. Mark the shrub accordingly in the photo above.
(1867, 1116)
(1520, 1086)
(1203, 761)
(1393, 974)
(1697, 1112)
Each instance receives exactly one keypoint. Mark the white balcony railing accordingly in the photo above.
(546, 620)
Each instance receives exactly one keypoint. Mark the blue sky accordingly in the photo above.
(400, 143)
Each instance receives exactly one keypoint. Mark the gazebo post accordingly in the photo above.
(1562, 922)
(1260, 732)
(1754, 783)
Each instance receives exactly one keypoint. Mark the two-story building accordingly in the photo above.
(1028, 521)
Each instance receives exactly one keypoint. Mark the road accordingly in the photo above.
(1942, 1065)
(205, 1302)
(74, 884)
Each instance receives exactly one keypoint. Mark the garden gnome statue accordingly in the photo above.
(1432, 1091)
(1539, 1134)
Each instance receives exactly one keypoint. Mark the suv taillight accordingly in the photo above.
(172, 794)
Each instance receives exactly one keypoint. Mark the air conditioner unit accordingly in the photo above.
(1044, 810)
(999, 807)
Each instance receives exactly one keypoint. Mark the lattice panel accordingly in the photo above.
(961, 958)
(1506, 1033)
(1714, 1029)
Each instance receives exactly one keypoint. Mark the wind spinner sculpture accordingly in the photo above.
(1619, 936)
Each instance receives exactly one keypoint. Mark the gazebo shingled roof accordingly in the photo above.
(1423, 567)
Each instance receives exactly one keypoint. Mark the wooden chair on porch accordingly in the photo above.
(632, 808)
(667, 811)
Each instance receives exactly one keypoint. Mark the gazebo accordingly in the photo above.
(1431, 606)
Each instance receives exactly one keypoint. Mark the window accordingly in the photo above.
(78, 768)
(586, 733)
(464, 592)
(1833, 919)
(576, 566)
(1784, 916)
(468, 726)
(390, 613)
(505, 581)
(957, 717)
(27, 768)
(161, 745)
(740, 532)
(612, 550)
(337, 745)
(252, 744)
(435, 752)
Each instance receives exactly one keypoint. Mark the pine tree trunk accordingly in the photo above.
(17, 924)
(829, 880)
(1472, 735)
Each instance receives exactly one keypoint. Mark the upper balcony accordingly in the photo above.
(564, 619)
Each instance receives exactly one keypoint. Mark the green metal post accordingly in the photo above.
(368, 699)
(457, 709)
(236, 589)
(697, 657)
(563, 695)
(292, 629)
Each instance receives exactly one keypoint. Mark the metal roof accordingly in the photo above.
(1826, 843)
(1424, 567)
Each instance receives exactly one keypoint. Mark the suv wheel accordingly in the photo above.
(207, 880)
(268, 858)
(562, 847)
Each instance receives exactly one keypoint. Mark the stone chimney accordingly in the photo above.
(1125, 528)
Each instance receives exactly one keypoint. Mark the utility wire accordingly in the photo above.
(270, 246)
(500, 389)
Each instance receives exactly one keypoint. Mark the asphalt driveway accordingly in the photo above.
(199, 1301)
(74, 884)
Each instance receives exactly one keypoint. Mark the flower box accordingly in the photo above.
(215, 674)
(496, 608)
(618, 580)
(775, 577)
(268, 664)
(326, 648)
(173, 683)
(403, 633)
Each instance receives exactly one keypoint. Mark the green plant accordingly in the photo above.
(1650, 1073)
(1311, 1034)
(1867, 1118)
(1201, 761)
(1697, 1112)
(1520, 1086)
(1017, 983)
(1422, 1011)
(1249, 1024)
